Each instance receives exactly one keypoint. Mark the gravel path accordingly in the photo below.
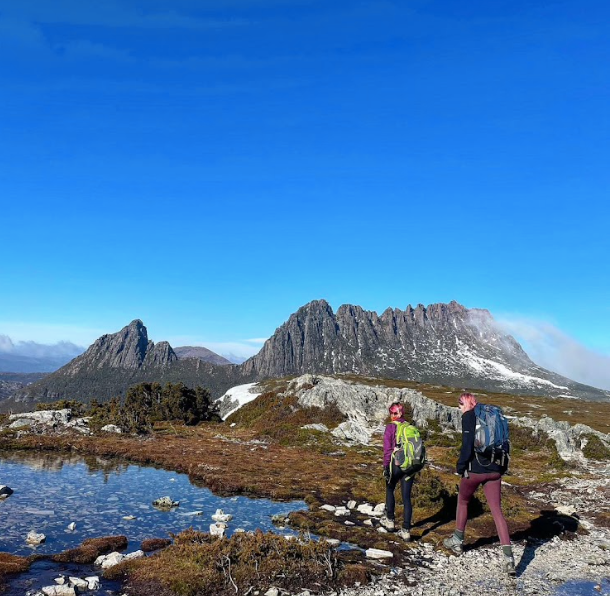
(580, 566)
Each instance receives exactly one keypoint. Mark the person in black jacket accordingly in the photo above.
(477, 470)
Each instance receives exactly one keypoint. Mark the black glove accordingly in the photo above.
(386, 473)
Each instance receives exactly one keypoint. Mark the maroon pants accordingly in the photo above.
(491, 486)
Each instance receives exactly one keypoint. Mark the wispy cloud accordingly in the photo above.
(32, 349)
(553, 349)
(49, 334)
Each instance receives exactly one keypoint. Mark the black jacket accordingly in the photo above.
(469, 460)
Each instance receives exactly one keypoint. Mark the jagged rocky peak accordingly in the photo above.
(129, 349)
(442, 343)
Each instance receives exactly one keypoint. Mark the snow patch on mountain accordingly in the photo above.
(236, 397)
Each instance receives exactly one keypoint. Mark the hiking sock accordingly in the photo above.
(459, 534)
(507, 549)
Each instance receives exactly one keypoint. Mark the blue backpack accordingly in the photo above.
(491, 438)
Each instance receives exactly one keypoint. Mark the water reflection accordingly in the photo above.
(100, 495)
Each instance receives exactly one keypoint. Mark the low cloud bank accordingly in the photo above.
(32, 349)
(30, 356)
(553, 349)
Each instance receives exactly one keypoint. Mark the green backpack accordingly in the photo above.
(410, 452)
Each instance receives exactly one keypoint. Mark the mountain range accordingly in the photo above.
(446, 344)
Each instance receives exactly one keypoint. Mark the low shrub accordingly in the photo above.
(524, 439)
(595, 448)
(198, 563)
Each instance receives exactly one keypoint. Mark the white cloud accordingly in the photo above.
(47, 333)
(33, 349)
(6, 344)
(553, 349)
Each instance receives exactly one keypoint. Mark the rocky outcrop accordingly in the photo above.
(47, 421)
(366, 408)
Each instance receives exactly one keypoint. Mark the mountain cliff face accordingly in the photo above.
(443, 343)
(446, 344)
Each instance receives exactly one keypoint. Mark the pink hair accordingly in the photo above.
(396, 407)
(468, 397)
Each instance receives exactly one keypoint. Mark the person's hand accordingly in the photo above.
(386, 473)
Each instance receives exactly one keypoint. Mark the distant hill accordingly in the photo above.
(446, 344)
(202, 354)
(10, 383)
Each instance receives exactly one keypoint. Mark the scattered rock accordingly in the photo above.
(35, 538)
(65, 590)
(77, 582)
(5, 491)
(218, 529)
(165, 503)
(72, 526)
(377, 553)
(319, 427)
(221, 516)
(107, 561)
(93, 582)
(111, 428)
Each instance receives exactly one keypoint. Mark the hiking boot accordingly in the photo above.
(453, 543)
(387, 523)
(404, 534)
(509, 565)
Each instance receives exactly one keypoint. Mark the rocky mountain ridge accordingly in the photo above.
(443, 343)
(446, 344)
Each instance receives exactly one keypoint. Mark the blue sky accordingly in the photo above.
(210, 166)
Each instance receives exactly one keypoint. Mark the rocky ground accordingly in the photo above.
(569, 564)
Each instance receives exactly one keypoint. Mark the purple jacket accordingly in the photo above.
(389, 441)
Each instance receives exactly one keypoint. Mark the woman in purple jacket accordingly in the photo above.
(393, 475)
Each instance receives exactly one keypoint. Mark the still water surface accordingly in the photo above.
(96, 494)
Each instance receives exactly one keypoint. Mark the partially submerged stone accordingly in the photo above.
(221, 516)
(34, 538)
(165, 503)
(218, 529)
(106, 561)
(64, 590)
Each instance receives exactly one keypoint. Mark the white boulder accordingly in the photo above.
(221, 516)
(34, 538)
